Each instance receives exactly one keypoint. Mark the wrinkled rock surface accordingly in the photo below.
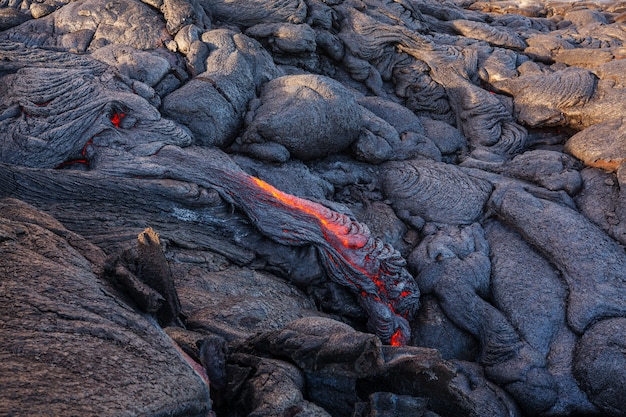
(335, 207)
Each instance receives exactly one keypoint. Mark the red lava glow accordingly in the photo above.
(339, 232)
(116, 119)
(82, 160)
(72, 162)
(398, 339)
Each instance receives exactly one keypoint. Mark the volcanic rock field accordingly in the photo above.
(347, 208)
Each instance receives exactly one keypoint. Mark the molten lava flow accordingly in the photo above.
(332, 230)
(72, 162)
(116, 119)
(398, 338)
(373, 270)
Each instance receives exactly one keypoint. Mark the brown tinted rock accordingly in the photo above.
(614, 71)
(235, 302)
(179, 13)
(543, 47)
(38, 10)
(585, 58)
(601, 145)
(585, 17)
(343, 367)
(498, 36)
(68, 345)
(488, 124)
(10, 17)
(267, 387)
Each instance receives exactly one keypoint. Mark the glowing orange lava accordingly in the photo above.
(349, 242)
(339, 232)
(398, 338)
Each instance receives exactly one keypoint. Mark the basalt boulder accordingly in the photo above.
(309, 117)
(212, 105)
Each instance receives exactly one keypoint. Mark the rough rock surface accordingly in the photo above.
(448, 175)
(600, 146)
(69, 344)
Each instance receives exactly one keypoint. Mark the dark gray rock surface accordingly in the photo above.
(455, 175)
(212, 105)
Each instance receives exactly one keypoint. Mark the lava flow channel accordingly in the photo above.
(351, 256)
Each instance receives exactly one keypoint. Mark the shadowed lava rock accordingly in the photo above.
(599, 361)
(527, 289)
(10, 17)
(453, 264)
(603, 201)
(69, 345)
(343, 368)
(599, 257)
(268, 387)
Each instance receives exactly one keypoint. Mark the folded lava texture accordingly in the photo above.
(312, 207)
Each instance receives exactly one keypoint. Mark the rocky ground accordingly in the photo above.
(312, 208)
